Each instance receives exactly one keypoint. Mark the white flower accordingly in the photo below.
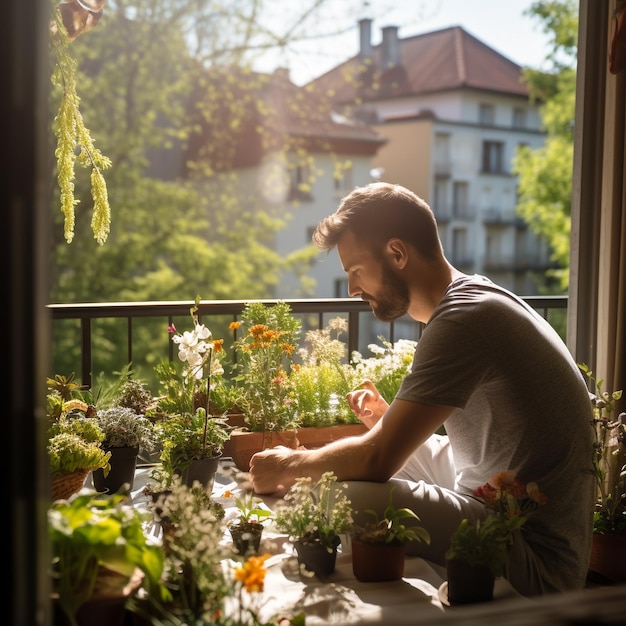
(193, 348)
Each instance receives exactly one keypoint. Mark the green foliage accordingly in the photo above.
(96, 530)
(482, 543)
(123, 427)
(265, 351)
(68, 452)
(545, 174)
(389, 528)
(73, 437)
(249, 508)
(188, 437)
(609, 458)
(74, 142)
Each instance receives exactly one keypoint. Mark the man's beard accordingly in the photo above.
(393, 301)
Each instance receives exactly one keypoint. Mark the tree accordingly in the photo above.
(167, 88)
(545, 174)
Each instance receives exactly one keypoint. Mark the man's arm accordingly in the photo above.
(376, 456)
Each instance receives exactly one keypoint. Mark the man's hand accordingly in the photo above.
(367, 403)
(269, 472)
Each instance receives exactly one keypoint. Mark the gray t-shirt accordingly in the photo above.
(522, 404)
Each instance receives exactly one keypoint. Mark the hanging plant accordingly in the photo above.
(74, 142)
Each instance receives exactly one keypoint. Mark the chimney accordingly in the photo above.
(390, 48)
(365, 38)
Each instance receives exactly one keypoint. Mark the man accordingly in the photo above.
(487, 367)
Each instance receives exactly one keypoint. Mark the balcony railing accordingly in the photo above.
(317, 313)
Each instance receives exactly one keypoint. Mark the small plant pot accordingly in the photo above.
(377, 562)
(468, 584)
(246, 537)
(317, 558)
(123, 464)
(202, 471)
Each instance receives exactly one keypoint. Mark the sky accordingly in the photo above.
(501, 24)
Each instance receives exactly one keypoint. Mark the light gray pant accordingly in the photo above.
(426, 485)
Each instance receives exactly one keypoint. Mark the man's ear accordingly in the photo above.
(397, 252)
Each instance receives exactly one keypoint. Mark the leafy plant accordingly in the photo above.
(315, 512)
(264, 357)
(123, 427)
(190, 437)
(509, 503)
(90, 531)
(483, 543)
(389, 528)
(74, 438)
(249, 507)
(609, 458)
(320, 384)
(74, 142)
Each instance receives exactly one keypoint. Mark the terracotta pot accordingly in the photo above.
(246, 537)
(311, 437)
(468, 584)
(242, 445)
(608, 556)
(377, 562)
(201, 470)
(317, 558)
(123, 463)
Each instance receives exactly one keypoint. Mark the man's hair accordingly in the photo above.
(378, 212)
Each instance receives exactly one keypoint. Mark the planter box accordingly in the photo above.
(242, 444)
(311, 437)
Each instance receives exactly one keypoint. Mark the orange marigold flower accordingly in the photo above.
(218, 345)
(234, 325)
(258, 330)
(252, 573)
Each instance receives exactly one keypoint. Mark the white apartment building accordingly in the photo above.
(453, 112)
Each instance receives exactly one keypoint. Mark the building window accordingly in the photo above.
(442, 155)
(459, 246)
(493, 157)
(461, 204)
(487, 114)
(343, 179)
(341, 288)
(519, 118)
(299, 183)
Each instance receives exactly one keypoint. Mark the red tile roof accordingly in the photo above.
(438, 61)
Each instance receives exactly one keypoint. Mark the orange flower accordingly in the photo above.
(252, 573)
(234, 325)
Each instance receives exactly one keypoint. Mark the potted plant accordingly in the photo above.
(98, 554)
(314, 515)
(193, 440)
(478, 551)
(246, 529)
(197, 582)
(320, 385)
(124, 432)
(608, 554)
(264, 353)
(379, 546)
(192, 445)
(74, 439)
